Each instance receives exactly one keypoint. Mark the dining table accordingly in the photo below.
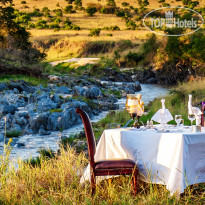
(171, 157)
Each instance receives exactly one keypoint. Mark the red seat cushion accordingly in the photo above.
(115, 164)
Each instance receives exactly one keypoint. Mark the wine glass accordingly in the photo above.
(178, 119)
(191, 117)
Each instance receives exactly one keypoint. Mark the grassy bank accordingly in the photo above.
(56, 180)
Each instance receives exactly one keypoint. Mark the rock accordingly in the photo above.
(19, 145)
(46, 105)
(16, 91)
(8, 109)
(18, 86)
(137, 86)
(3, 86)
(55, 98)
(93, 92)
(24, 114)
(37, 121)
(63, 90)
(79, 91)
(16, 127)
(152, 81)
(54, 78)
(43, 132)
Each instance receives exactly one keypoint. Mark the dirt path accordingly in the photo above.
(78, 61)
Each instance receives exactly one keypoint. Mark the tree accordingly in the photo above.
(14, 39)
(90, 11)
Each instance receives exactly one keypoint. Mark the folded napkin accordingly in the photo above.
(162, 115)
(194, 110)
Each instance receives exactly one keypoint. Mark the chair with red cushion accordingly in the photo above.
(106, 167)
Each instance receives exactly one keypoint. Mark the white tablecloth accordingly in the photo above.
(174, 159)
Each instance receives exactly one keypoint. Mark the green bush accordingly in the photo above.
(70, 1)
(41, 24)
(124, 4)
(58, 12)
(109, 34)
(54, 26)
(111, 3)
(95, 32)
(131, 24)
(69, 9)
(36, 13)
(108, 10)
(185, 2)
(161, 1)
(13, 133)
(90, 11)
(23, 2)
(111, 28)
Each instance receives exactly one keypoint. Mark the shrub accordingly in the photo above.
(185, 2)
(108, 10)
(36, 13)
(109, 34)
(131, 24)
(161, 1)
(13, 133)
(90, 11)
(69, 9)
(95, 32)
(78, 4)
(54, 26)
(125, 4)
(70, 1)
(23, 2)
(133, 58)
(58, 12)
(111, 3)
(45, 9)
(41, 24)
(111, 28)
(165, 5)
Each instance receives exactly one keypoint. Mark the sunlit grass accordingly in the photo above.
(32, 80)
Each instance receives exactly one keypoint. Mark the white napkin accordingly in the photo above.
(194, 110)
(162, 115)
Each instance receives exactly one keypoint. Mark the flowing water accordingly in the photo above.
(32, 143)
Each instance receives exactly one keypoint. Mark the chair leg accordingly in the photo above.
(135, 181)
(93, 185)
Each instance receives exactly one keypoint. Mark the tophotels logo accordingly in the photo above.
(167, 20)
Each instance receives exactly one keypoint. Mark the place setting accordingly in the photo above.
(135, 107)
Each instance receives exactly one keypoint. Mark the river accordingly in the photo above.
(32, 143)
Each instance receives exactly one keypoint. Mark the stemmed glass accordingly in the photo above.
(178, 119)
(191, 117)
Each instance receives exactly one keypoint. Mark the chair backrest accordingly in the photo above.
(89, 134)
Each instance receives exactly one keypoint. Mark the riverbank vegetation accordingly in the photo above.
(55, 178)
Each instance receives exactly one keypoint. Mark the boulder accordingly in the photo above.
(152, 81)
(43, 132)
(79, 91)
(46, 105)
(5, 109)
(63, 90)
(93, 92)
(3, 86)
(37, 121)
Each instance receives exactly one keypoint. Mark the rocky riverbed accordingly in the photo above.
(41, 115)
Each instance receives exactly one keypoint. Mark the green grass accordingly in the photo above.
(32, 80)
(55, 110)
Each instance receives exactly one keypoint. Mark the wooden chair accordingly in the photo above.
(106, 167)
